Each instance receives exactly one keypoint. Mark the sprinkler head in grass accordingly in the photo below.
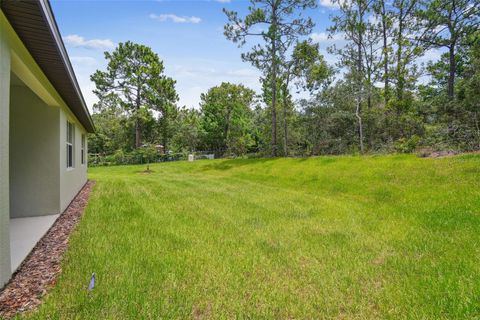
(92, 282)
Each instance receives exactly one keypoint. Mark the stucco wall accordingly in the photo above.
(71, 179)
(4, 163)
(34, 155)
(41, 183)
(51, 186)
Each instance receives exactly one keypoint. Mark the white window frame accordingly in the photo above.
(82, 150)
(70, 145)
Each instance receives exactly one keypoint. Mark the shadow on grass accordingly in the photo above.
(144, 172)
(231, 163)
(236, 163)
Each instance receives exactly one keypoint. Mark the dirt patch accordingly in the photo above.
(430, 153)
(202, 312)
(39, 271)
(146, 171)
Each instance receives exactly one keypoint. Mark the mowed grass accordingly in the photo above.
(377, 237)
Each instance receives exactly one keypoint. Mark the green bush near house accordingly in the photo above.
(377, 237)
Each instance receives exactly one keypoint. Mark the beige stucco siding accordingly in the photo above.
(4, 162)
(34, 155)
(71, 179)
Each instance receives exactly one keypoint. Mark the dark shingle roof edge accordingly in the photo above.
(47, 35)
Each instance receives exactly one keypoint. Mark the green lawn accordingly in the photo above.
(387, 237)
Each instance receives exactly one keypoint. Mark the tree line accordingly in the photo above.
(378, 97)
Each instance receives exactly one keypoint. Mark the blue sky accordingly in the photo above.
(187, 35)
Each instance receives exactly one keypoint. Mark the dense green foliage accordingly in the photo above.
(226, 119)
(281, 24)
(373, 237)
(133, 86)
(378, 98)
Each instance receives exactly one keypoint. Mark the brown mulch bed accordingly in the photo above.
(38, 272)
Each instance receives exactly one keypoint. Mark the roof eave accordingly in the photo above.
(48, 15)
(35, 24)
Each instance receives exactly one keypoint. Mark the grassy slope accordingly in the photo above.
(331, 237)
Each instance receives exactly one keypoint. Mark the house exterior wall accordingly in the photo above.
(4, 157)
(34, 155)
(47, 111)
(71, 179)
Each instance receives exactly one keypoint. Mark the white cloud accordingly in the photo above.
(329, 4)
(244, 73)
(79, 41)
(190, 95)
(374, 19)
(325, 40)
(185, 71)
(199, 75)
(430, 55)
(174, 18)
(319, 37)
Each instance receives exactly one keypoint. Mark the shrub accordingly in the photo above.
(405, 145)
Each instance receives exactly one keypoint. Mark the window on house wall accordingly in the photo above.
(82, 151)
(70, 144)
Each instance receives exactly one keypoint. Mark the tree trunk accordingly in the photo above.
(165, 137)
(274, 117)
(369, 92)
(274, 83)
(400, 76)
(452, 71)
(138, 134)
(477, 126)
(452, 66)
(360, 125)
(385, 54)
(226, 129)
(359, 81)
(285, 124)
(138, 131)
(359, 98)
